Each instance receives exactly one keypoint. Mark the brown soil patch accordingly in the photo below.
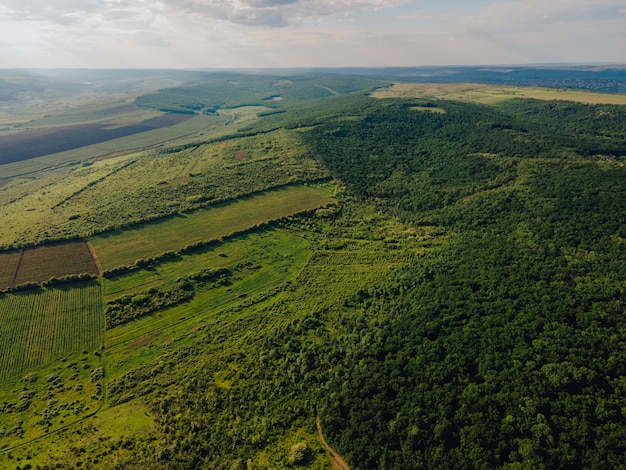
(241, 155)
(43, 262)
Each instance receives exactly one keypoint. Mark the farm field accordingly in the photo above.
(42, 326)
(117, 424)
(203, 225)
(192, 127)
(492, 94)
(9, 263)
(30, 144)
(41, 263)
(113, 113)
(50, 364)
(107, 130)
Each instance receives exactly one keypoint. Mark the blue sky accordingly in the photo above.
(308, 33)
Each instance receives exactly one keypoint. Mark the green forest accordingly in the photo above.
(505, 347)
(460, 305)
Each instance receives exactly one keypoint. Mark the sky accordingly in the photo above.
(308, 33)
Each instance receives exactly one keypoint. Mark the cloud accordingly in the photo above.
(550, 31)
(270, 13)
(284, 33)
(528, 15)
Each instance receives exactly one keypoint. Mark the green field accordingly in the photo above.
(261, 262)
(82, 200)
(174, 233)
(32, 207)
(492, 94)
(47, 325)
(227, 254)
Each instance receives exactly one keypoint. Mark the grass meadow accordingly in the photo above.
(203, 225)
(492, 94)
(33, 207)
(118, 424)
(262, 262)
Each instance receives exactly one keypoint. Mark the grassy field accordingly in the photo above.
(173, 233)
(117, 424)
(84, 199)
(227, 254)
(492, 94)
(262, 262)
(30, 207)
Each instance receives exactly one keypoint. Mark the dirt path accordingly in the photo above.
(330, 90)
(336, 460)
(95, 259)
(17, 269)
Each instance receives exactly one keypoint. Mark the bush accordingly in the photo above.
(299, 452)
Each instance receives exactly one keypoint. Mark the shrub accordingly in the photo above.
(298, 453)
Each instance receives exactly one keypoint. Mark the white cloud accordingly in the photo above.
(551, 31)
(534, 14)
(272, 13)
(267, 33)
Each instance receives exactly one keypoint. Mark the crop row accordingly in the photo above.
(48, 324)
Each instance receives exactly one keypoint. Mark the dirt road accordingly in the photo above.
(336, 460)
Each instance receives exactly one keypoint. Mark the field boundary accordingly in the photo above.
(95, 259)
(17, 268)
